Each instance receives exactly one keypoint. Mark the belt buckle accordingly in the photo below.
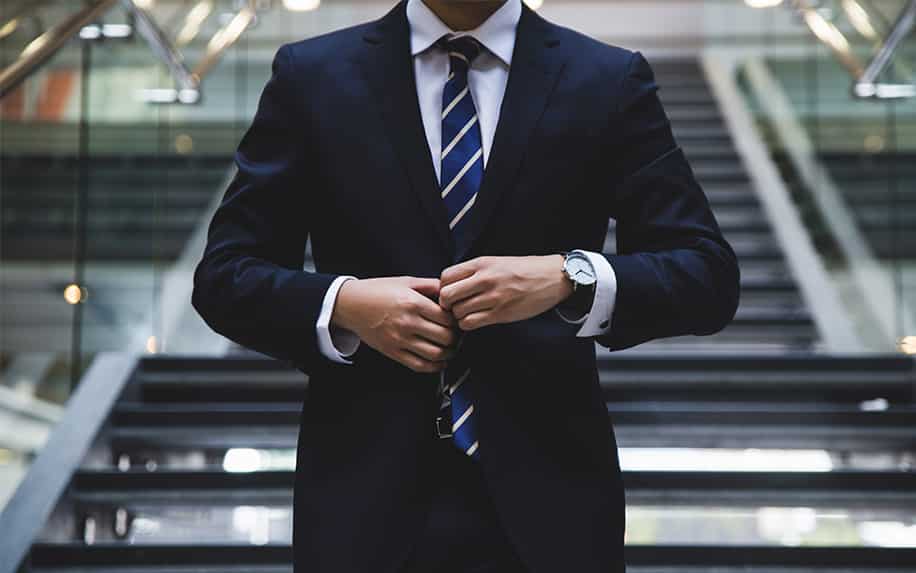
(443, 427)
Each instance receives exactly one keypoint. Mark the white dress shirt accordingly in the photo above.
(487, 79)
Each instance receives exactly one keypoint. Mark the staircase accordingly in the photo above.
(880, 190)
(194, 465)
(139, 207)
(771, 316)
(746, 451)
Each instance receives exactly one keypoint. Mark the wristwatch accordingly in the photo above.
(579, 270)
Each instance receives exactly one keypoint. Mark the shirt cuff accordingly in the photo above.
(597, 320)
(336, 343)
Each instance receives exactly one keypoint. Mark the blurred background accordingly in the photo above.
(132, 438)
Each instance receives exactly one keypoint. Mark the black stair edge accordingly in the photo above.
(76, 554)
(644, 412)
(881, 361)
(885, 482)
(232, 363)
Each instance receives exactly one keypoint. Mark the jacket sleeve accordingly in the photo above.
(676, 273)
(250, 285)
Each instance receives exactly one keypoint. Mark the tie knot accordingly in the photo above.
(461, 50)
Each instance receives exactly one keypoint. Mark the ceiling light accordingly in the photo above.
(301, 5)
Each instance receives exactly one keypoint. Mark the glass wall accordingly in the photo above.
(107, 180)
(115, 150)
(830, 88)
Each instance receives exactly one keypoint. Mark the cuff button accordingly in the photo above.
(604, 324)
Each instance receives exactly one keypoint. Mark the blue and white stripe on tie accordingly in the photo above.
(461, 171)
(461, 160)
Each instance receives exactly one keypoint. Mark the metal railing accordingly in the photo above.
(866, 83)
(42, 48)
(187, 81)
(35, 499)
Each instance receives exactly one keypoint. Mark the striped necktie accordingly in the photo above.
(461, 170)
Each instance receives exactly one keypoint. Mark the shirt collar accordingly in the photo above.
(496, 33)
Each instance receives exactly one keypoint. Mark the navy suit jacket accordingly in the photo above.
(337, 152)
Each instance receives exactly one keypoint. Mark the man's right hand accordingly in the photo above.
(398, 317)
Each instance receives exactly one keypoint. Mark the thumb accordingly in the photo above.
(427, 287)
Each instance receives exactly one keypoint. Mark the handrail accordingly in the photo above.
(187, 81)
(43, 47)
(865, 77)
(164, 50)
(830, 35)
(818, 291)
(866, 84)
(225, 38)
(34, 500)
(23, 9)
(874, 283)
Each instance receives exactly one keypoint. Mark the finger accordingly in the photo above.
(436, 333)
(417, 363)
(427, 350)
(425, 286)
(476, 320)
(433, 312)
(451, 294)
(477, 303)
(460, 271)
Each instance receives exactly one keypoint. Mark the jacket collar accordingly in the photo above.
(388, 66)
(496, 33)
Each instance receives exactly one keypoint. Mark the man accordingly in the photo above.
(456, 165)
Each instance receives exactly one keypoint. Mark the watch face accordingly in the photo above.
(580, 270)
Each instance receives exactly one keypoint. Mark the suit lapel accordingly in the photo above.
(388, 67)
(536, 64)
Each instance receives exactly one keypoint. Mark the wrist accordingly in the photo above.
(564, 284)
(343, 315)
(580, 295)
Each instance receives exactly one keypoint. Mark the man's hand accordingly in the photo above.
(490, 290)
(398, 317)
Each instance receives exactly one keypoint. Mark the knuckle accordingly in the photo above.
(410, 305)
(403, 323)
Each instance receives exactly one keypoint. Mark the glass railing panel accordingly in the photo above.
(103, 187)
(38, 190)
(846, 161)
(265, 517)
(137, 456)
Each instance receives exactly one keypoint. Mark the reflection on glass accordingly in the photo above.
(769, 526)
(271, 522)
(242, 460)
(709, 459)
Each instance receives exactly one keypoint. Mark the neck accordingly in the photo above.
(460, 15)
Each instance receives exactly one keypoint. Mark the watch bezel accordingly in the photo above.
(575, 279)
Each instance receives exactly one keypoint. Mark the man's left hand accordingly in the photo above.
(491, 290)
